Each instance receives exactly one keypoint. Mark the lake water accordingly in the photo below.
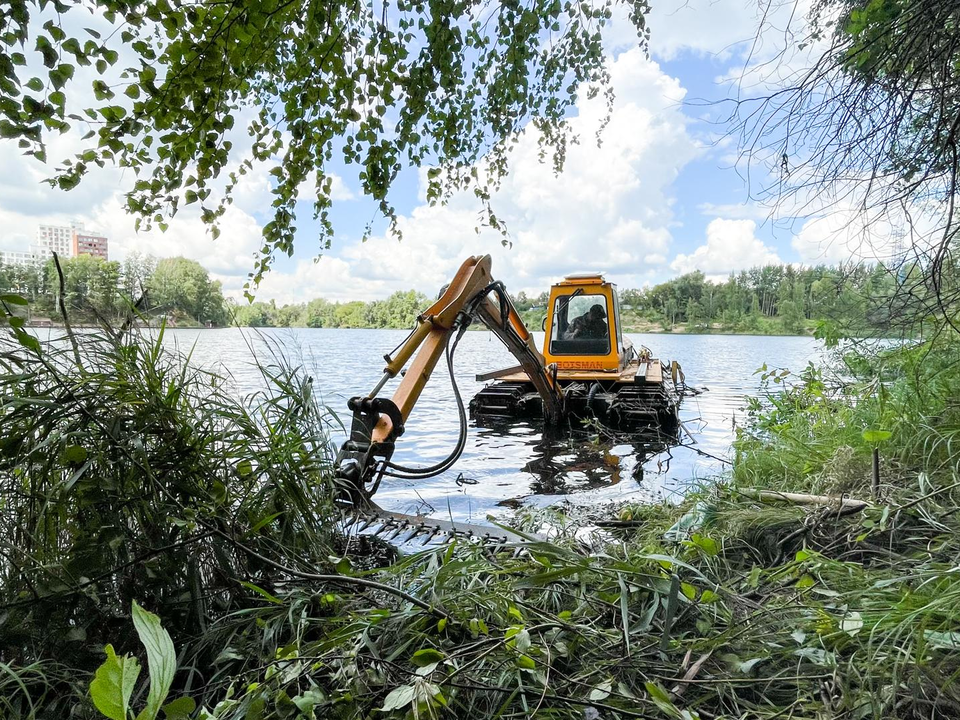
(519, 463)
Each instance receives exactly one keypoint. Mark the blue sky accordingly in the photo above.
(660, 197)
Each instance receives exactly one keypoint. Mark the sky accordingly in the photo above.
(662, 195)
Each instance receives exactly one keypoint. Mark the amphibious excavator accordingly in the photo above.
(587, 371)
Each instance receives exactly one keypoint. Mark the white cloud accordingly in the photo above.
(845, 235)
(781, 51)
(721, 28)
(731, 245)
(329, 277)
(711, 27)
(186, 235)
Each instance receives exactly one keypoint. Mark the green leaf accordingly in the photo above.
(526, 662)
(307, 700)
(113, 684)
(73, 454)
(708, 545)
(161, 659)
(398, 698)
(179, 709)
(601, 691)
(662, 700)
(35, 84)
(875, 437)
(11, 299)
(264, 522)
(260, 591)
(28, 341)
(426, 656)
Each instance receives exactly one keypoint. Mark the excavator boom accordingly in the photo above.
(378, 422)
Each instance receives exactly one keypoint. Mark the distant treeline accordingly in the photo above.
(400, 310)
(774, 299)
(181, 291)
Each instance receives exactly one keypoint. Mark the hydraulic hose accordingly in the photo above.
(402, 472)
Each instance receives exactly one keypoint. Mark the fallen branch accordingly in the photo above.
(805, 499)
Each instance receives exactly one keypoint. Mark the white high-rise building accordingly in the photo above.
(55, 239)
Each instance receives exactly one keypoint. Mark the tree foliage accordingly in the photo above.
(442, 82)
(772, 299)
(400, 310)
(179, 284)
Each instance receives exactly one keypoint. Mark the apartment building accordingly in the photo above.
(15, 257)
(55, 239)
(65, 240)
(89, 243)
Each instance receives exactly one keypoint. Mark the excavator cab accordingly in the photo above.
(583, 325)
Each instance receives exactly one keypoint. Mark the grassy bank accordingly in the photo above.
(126, 476)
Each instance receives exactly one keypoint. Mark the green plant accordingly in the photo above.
(115, 680)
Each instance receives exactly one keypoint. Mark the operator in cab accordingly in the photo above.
(591, 325)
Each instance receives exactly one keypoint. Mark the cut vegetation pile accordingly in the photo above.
(126, 476)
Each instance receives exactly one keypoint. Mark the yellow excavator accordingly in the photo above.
(587, 370)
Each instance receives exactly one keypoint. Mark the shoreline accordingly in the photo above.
(679, 330)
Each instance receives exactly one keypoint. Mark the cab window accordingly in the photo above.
(581, 325)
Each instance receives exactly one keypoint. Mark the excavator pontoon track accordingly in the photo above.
(637, 406)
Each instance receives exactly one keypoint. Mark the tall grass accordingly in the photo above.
(128, 473)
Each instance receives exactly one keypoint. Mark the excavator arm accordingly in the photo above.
(378, 422)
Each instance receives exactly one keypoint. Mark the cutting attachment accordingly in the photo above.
(401, 529)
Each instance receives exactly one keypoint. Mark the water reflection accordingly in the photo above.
(563, 461)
